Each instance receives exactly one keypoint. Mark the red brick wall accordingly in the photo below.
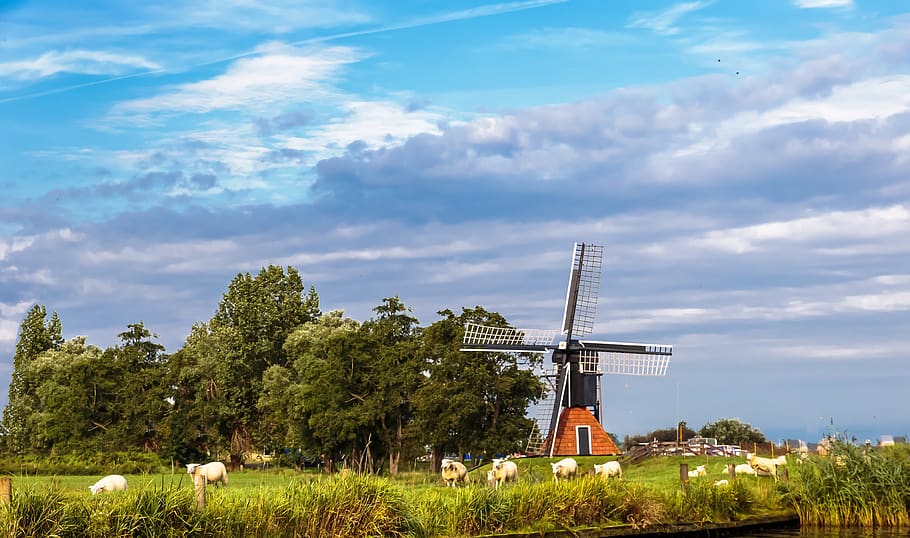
(566, 445)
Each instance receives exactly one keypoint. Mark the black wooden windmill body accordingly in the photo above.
(574, 383)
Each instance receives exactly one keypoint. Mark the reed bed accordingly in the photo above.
(852, 487)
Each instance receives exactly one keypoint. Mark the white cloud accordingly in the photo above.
(87, 62)
(664, 22)
(259, 83)
(870, 99)
(822, 3)
(836, 225)
(378, 123)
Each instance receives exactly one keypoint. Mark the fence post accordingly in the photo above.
(200, 481)
(6, 490)
(684, 474)
(731, 468)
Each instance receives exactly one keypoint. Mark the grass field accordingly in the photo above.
(414, 503)
(662, 473)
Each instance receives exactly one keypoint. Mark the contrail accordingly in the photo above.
(473, 13)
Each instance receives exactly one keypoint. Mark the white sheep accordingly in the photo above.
(719, 483)
(213, 472)
(743, 468)
(454, 472)
(764, 465)
(504, 471)
(564, 469)
(608, 470)
(111, 482)
(698, 471)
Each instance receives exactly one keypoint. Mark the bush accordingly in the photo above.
(89, 464)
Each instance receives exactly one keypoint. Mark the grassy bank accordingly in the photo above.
(413, 504)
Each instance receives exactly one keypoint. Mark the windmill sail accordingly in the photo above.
(583, 291)
(485, 338)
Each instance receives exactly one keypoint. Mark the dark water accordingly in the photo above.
(813, 532)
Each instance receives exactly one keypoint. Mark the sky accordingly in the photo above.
(746, 166)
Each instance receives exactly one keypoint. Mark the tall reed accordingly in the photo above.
(853, 486)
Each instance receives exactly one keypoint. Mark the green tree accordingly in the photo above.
(73, 402)
(393, 375)
(244, 338)
(730, 431)
(36, 336)
(139, 369)
(324, 390)
(472, 401)
(192, 376)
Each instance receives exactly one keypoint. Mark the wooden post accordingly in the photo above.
(6, 490)
(684, 474)
(772, 449)
(731, 468)
(200, 481)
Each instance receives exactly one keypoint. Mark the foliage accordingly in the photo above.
(97, 463)
(269, 372)
(36, 336)
(730, 431)
(220, 368)
(472, 402)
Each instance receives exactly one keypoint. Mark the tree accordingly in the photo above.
(321, 393)
(244, 338)
(394, 374)
(36, 336)
(73, 403)
(730, 431)
(472, 402)
(139, 368)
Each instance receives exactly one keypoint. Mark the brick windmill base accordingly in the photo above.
(575, 424)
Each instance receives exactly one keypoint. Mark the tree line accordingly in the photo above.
(271, 372)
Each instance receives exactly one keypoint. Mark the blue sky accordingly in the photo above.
(746, 166)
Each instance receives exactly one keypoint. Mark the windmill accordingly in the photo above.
(570, 417)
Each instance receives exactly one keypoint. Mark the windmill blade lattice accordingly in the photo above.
(507, 338)
(584, 289)
(624, 363)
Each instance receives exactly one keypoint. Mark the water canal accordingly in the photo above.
(816, 532)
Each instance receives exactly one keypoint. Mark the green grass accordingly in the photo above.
(289, 503)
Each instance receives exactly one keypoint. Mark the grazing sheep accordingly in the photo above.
(764, 465)
(454, 472)
(212, 472)
(698, 471)
(719, 483)
(743, 468)
(608, 470)
(564, 469)
(111, 482)
(504, 471)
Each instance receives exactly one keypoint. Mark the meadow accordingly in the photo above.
(414, 503)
